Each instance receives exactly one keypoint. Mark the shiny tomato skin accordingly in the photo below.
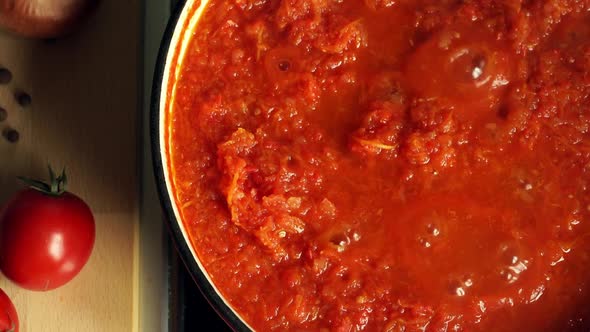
(45, 240)
(8, 316)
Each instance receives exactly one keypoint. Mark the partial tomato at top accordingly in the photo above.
(8, 316)
(44, 19)
(46, 235)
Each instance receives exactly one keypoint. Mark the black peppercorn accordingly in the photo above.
(11, 135)
(23, 98)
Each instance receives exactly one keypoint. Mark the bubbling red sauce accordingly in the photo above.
(388, 165)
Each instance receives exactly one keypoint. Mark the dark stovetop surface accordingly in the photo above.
(189, 310)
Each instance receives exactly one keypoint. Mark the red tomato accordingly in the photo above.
(8, 316)
(46, 237)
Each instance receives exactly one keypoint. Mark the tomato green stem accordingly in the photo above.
(55, 187)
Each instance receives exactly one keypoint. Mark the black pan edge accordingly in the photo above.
(198, 275)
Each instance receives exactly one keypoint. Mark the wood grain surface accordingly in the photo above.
(84, 116)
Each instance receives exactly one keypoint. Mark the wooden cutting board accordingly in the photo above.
(83, 115)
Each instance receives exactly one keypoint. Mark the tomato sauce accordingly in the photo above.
(389, 165)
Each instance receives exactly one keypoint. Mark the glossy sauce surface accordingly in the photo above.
(386, 165)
